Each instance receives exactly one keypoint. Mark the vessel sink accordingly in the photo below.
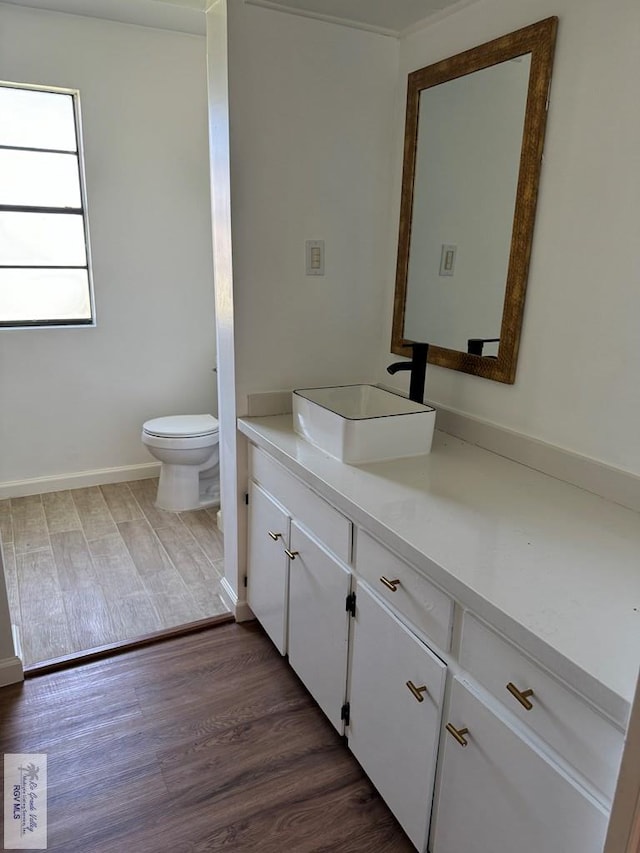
(362, 423)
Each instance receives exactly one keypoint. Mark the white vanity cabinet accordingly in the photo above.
(298, 579)
(481, 701)
(499, 793)
(268, 565)
(319, 622)
(395, 700)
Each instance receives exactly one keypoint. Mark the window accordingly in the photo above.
(45, 277)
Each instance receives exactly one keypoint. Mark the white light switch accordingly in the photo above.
(314, 256)
(448, 259)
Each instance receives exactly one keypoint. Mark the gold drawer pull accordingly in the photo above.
(417, 691)
(520, 695)
(392, 585)
(290, 554)
(274, 536)
(458, 734)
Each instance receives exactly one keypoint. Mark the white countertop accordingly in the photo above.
(554, 567)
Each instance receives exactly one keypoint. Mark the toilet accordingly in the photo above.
(187, 447)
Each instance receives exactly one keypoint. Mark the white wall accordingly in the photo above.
(74, 400)
(311, 146)
(577, 383)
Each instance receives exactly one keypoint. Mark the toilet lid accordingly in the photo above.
(182, 426)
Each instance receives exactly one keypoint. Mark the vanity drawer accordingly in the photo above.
(314, 513)
(562, 718)
(416, 598)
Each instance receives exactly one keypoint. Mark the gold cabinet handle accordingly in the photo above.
(458, 734)
(392, 585)
(521, 695)
(417, 691)
(274, 536)
(290, 554)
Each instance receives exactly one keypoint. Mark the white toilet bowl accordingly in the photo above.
(187, 446)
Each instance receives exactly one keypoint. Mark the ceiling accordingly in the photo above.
(390, 16)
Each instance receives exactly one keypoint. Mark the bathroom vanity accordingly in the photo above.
(471, 625)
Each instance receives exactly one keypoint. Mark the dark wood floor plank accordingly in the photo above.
(203, 743)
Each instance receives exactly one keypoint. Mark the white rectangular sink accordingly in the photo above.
(362, 423)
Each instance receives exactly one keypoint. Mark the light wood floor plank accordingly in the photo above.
(94, 513)
(144, 491)
(73, 560)
(205, 532)
(6, 522)
(30, 531)
(60, 512)
(121, 502)
(11, 580)
(112, 602)
(146, 551)
(165, 582)
(44, 637)
(114, 566)
(134, 615)
(37, 583)
(88, 618)
(180, 606)
(187, 555)
(207, 598)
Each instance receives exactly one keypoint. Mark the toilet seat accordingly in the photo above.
(182, 426)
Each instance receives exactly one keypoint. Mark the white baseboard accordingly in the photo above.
(59, 482)
(237, 606)
(11, 671)
(17, 643)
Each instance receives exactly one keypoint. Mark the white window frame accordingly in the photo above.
(57, 323)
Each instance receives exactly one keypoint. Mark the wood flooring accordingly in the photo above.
(204, 743)
(95, 566)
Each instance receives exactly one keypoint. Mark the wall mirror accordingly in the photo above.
(473, 144)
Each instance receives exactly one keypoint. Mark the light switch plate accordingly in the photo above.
(448, 259)
(314, 257)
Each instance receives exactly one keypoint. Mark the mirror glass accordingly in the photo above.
(473, 144)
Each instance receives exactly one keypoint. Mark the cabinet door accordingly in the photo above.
(393, 733)
(500, 794)
(267, 565)
(319, 623)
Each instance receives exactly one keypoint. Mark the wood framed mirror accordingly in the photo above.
(474, 135)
